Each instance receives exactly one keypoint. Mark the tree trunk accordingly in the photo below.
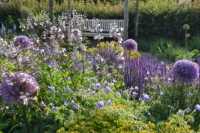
(51, 10)
(136, 19)
(126, 18)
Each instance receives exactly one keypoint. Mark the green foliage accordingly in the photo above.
(165, 49)
(194, 42)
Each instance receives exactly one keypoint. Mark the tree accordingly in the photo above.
(136, 19)
(51, 10)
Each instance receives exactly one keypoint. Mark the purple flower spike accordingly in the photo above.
(16, 88)
(22, 41)
(185, 71)
(130, 44)
(100, 104)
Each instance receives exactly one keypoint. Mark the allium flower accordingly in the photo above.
(16, 87)
(197, 107)
(22, 41)
(130, 44)
(100, 104)
(185, 71)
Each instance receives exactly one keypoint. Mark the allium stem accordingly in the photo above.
(25, 118)
(181, 100)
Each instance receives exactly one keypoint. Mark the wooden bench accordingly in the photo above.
(104, 24)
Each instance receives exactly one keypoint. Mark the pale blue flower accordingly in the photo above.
(118, 94)
(54, 108)
(66, 103)
(109, 102)
(134, 93)
(161, 93)
(154, 86)
(51, 88)
(114, 81)
(92, 85)
(180, 112)
(197, 107)
(144, 96)
(100, 104)
(98, 85)
(190, 93)
(93, 93)
(136, 87)
(75, 107)
(67, 88)
(72, 102)
(90, 79)
(107, 89)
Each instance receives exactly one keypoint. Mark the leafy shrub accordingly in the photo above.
(194, 42)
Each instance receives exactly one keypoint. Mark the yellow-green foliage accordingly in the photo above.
(108, 122)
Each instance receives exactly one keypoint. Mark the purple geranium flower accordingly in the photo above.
(185, 71)
(18, 85)
(22, 41)
(130, 44)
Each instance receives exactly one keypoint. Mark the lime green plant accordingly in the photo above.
(186, 27)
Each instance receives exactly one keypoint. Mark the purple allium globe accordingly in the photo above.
(18, 85)
(22, 41)
(130, 44)
(185, 71)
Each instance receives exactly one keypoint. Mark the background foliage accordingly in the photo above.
(157, 17)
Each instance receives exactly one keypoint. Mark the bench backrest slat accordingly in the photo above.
(104, 24)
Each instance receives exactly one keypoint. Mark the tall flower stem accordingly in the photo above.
(181, 99)
(25, 118)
